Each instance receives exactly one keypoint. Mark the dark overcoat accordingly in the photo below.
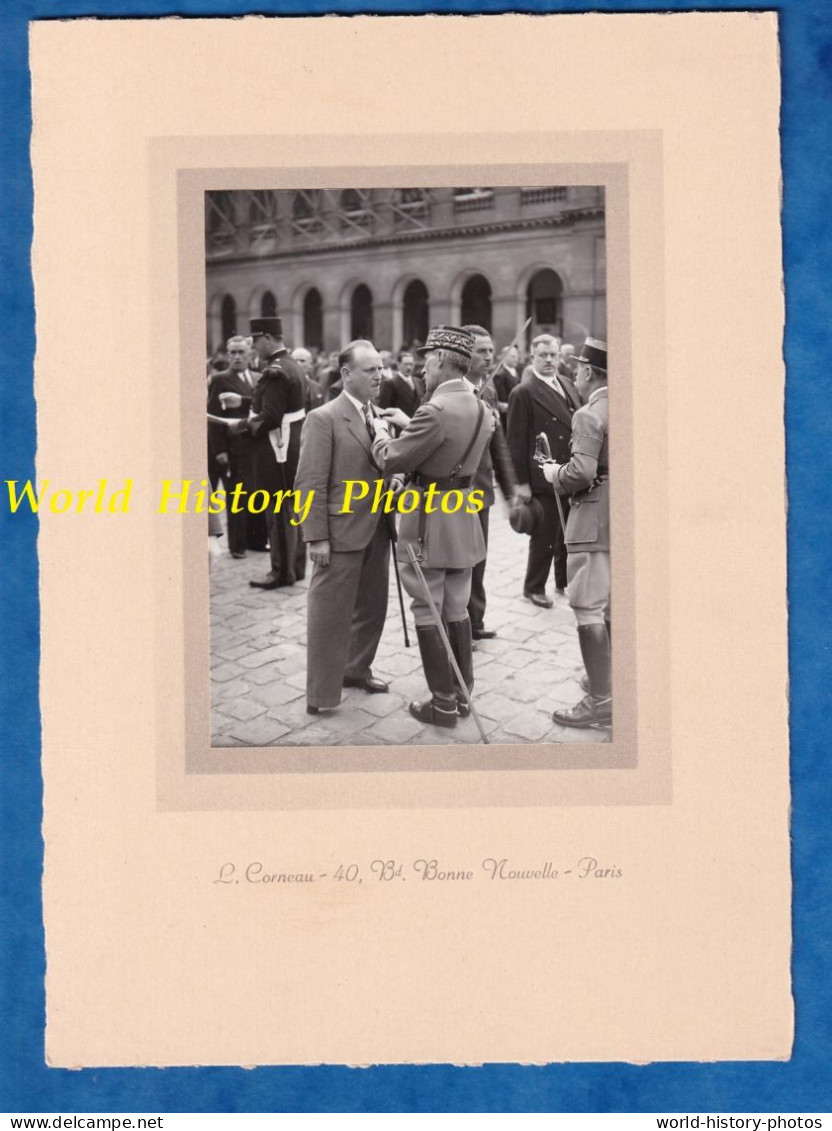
(533, 408)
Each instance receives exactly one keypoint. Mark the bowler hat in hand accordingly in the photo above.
(525, 517)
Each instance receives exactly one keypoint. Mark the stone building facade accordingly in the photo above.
(387, 263)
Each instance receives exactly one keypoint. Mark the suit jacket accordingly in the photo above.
(396, 393)
(314, 394)
(236, 445)
(335, 447)
(585, 478)
(433, 443)
(504, 382)
(496, 459)
(535, 408)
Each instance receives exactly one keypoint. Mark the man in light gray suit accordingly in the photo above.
(347, 602)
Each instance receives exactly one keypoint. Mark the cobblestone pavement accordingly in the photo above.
(258, 664)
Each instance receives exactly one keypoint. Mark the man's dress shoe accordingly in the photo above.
(483, 633)
(367, 683)
(539, 599)
(267, 582)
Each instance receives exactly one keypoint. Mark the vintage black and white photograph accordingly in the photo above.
(408, 459)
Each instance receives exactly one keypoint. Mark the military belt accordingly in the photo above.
(453, 483)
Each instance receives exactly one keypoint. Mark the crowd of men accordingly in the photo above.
(442, 421)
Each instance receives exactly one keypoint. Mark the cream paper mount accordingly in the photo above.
(675, 944)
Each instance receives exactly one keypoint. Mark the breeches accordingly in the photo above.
(450, 590)
(588, 585)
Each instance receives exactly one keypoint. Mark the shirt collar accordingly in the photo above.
(359, 407)
(552, 381)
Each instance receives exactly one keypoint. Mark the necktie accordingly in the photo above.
(368, 420)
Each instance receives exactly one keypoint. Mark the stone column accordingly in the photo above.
(577, 318)
(442, 208)
(444, 312)
(383, 329)
(506, 319)
(332, 318)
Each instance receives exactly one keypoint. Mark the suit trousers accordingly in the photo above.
(450, 591)
(346, 610)
(546, 545)
(245, 531)
(476, 606)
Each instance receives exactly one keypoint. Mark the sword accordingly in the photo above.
(515, 341)
(519, 334)
(543, 453)
(437, 620)
(394, 538)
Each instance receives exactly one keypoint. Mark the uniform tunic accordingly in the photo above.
(585, 478)
(448, 545)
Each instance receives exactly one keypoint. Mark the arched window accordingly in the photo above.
(476, 302)
(268, 305)
(313, 321)
(415, 313)
(361, 312)
(544, 303)
(228, 317)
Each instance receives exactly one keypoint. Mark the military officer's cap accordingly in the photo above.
(452, 338)
(594, 353)
(273, 326)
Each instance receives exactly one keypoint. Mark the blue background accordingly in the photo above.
(803, 1084)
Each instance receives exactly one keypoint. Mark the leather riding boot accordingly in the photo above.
(461, 638)
(440, 710)
(583, 682)
(595, 709)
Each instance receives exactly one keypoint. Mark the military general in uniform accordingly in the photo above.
(585, 479)
(442, 446)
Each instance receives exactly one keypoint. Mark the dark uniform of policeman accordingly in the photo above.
(275, 421)
(442, 445)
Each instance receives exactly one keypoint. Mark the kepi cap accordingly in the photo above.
(273, 326)
(452, 338)
(594, 353)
